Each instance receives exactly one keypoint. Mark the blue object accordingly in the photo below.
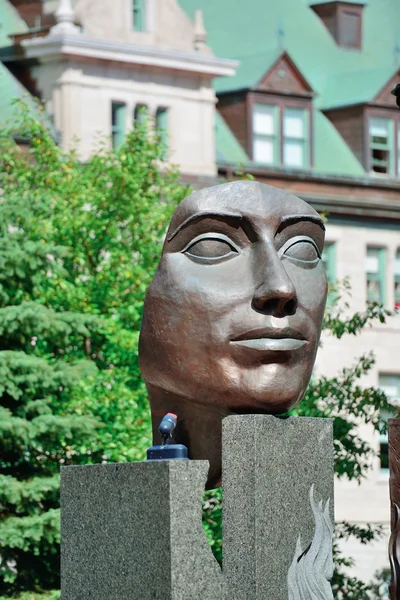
(168, 450)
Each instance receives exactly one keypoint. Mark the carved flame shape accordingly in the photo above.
(311, 569)
(394, 554)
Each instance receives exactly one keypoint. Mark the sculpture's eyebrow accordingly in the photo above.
(209, 214)
(287, 220)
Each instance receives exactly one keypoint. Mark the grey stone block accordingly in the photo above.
(269, 467)
(133, 532)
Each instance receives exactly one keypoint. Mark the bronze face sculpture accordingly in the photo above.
(233, 316)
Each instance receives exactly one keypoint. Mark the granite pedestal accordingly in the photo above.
(134, 532)
(275, 472)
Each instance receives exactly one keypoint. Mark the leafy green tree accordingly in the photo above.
(41, 355)
(79, 244)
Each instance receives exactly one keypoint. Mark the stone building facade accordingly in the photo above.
(95, 71)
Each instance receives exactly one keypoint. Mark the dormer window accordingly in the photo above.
(281, 135)
(273, 121)
(349, 30)
(383, 142)
(381, 146)
(343, 21)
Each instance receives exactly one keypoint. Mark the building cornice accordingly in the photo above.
(51, 47)
(312, 176)
(361, 198)
(351, 207)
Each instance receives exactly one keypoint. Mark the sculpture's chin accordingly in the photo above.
(224, 384)
(267, 406)
(263, 396)
(270, 404)
(269, 389)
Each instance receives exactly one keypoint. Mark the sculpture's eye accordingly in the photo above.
(302, 250)
(211, 248)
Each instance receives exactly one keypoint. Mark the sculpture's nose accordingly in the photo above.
(276, 294)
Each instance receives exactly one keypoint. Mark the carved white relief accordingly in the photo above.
(312, 568)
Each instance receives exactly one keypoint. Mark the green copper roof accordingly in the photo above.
(228, 148)
(346, 89)
(10, 22)
(10, 88)
(331, 155)
(257, 32)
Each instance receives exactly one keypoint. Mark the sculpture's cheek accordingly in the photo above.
(311, 287)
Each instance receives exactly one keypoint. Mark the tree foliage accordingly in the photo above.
(79, 244)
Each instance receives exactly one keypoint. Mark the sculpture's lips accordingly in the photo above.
(271, 344)
(271, 339)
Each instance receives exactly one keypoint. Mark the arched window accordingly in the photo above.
(376, 275)
(139, 15)
(162, 128)
(118, 123)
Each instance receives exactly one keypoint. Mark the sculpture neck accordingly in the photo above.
(199, 428)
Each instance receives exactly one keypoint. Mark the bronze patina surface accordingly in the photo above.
(233, 316)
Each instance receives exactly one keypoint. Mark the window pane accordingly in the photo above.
(118, 123)
(349, 29)
(162, 128)
(397, 281)
(374, 292)
(376, 274)
(162, 120)
(381, 145)
(397, 263)
(263, 150)
(293, 123)
(140, 113)
(295, 137)
(265, 130)
(264, 119)
(138, 9)
(379, 130)
(372, 263)
(293, 153)
(329, 260)
(397, 293)
(398, 150)
(390, 384)
(384, 452)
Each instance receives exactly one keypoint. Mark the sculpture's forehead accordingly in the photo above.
(252, 199)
